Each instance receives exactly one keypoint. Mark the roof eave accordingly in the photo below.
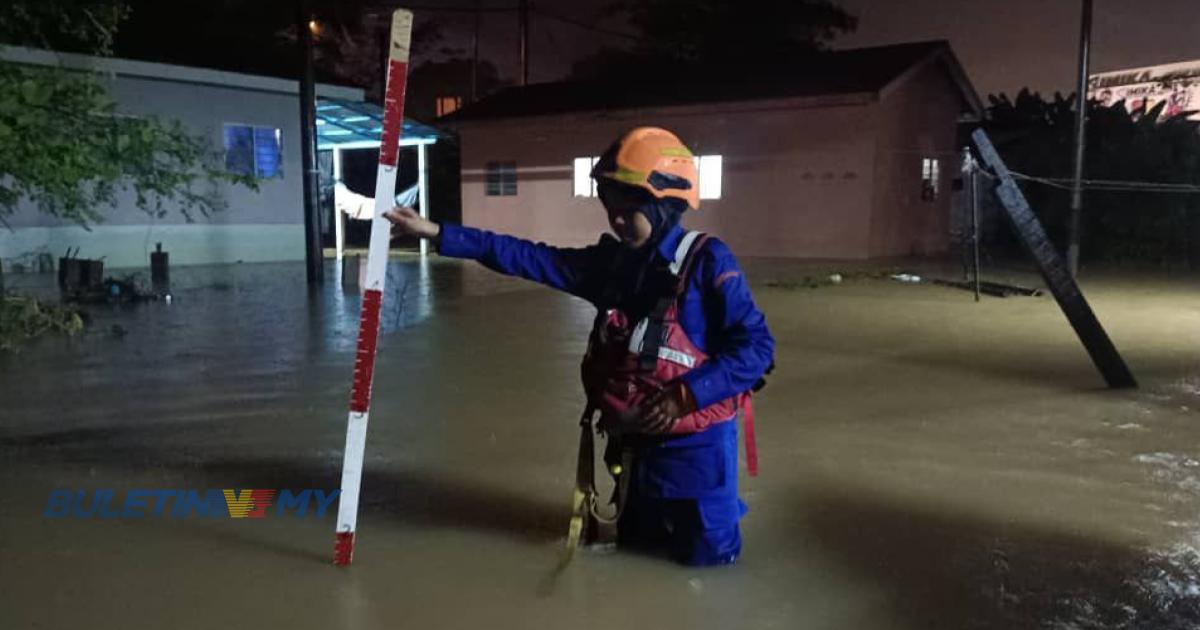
(168, 72)
(957, 74)
(757, 104)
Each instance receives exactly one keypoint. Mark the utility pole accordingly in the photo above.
(313, 256)
(475, 56)
(523, 35)
(1085, 36)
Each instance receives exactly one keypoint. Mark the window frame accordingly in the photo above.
(500, 178)
(255, 171)
(930, 179)
(587, 175)
(707, 192)
(439, 101)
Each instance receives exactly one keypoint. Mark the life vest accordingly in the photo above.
(627, 362)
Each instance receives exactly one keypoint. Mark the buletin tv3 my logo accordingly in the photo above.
(211, 503)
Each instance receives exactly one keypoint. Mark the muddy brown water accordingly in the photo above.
(927, 462)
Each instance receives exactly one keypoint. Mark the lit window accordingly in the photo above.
(929, 179)
(501, 179)
(448, 104)
(709, 167)
(584, 185)
(253, 151)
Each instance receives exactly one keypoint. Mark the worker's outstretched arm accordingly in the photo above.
(561, 268)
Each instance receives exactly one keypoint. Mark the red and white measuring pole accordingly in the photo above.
(372, 295)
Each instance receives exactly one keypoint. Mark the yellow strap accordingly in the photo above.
(585, 485)
(579, 512)
(584, 499)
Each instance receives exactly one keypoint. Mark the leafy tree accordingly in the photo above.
(85, 26)
(64, 145)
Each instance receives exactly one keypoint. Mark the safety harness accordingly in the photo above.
(648, 342)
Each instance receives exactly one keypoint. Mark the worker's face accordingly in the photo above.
(621, 203)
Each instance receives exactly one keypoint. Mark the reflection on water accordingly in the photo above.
(927, 462)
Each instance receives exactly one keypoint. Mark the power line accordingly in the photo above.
(448, 9)
(1114, 185)
(1109, 185)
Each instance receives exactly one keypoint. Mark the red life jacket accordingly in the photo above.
(626, 363)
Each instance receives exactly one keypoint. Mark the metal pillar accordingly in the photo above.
(975, 224)
(339, 217)
(523, 29)
(308, 150)
(475, 57)
(1085, 36)
(423, 188)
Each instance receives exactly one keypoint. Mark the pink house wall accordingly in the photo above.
(797, 178)
(917, 120)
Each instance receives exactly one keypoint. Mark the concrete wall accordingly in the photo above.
(257, 226)
(917, 120)
(797, 178)
(267, 225)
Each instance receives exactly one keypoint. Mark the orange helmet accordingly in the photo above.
(655, 160)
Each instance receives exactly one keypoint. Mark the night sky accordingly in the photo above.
(1008, 44)
(1004, 44)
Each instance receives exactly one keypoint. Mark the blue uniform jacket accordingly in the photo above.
(717, 314)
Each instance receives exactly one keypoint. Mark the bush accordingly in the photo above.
(1119, 223)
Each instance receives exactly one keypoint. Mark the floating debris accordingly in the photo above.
(907, 278)
(822, 280)
(994, 289)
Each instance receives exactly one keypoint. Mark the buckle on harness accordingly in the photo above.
(586, 518)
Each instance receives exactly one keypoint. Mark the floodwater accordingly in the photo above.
(927, 462)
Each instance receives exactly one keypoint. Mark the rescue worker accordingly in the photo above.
(677, 347)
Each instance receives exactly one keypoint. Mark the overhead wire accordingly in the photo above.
(1105, 185)
(387, 8)
(1111, 184)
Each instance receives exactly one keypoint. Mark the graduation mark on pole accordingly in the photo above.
(372, 300)
(1054, 271)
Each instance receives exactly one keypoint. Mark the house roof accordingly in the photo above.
(845, 72)
(359, 125)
